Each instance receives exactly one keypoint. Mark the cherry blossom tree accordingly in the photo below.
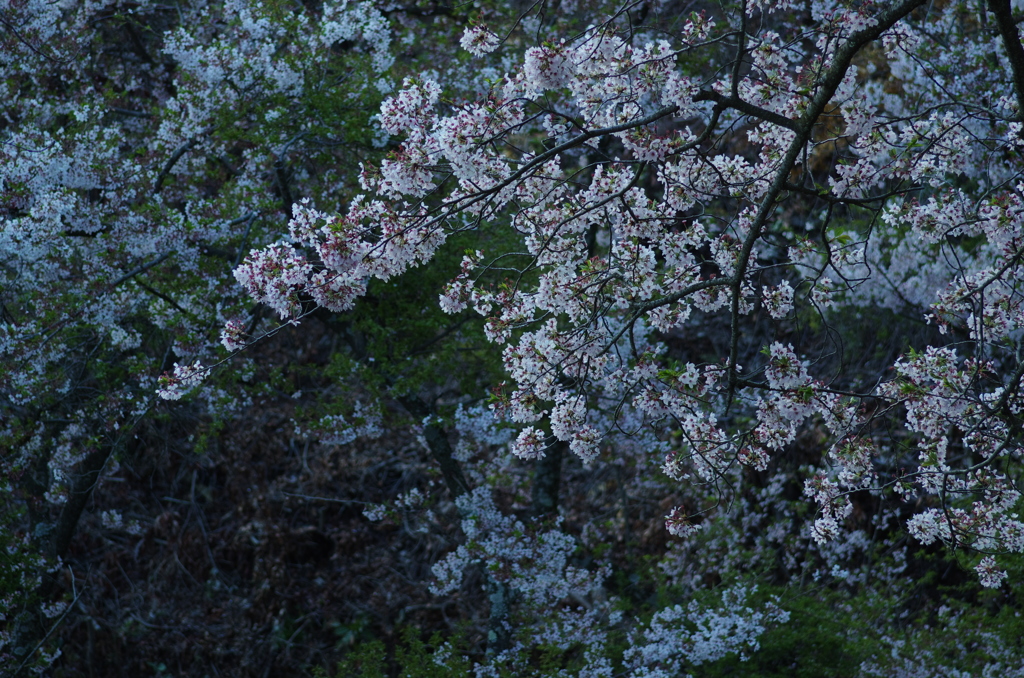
(752, 169)
(647, 194)
(663, 220)
(145, 148)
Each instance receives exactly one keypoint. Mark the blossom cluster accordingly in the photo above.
(619, 245)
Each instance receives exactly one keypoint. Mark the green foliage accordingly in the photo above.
(400, 341)
(411, 658)
(835, 629)
(366, 661)
(827, 635)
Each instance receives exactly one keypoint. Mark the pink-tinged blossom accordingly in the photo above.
(336, 291)
(778, 300)
(478, 40)
(711, 449)
(522, 407)
(454, 298)
(935, 390)
(823, 293)
(181, 380)
(784, 370)
(405, 174)
(568, 415)
(613, 242)
(833, 505)
(825, 529)
(274, 276)
(412, 110)
(530, 444)
(854, 458)
(586, 443)
(548, 67)
(778, 415)
(232, 335)
(754, 457)
(988, 573)
(459, 138)
(679, 524)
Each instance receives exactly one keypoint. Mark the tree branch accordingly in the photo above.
(171, 162)
(1014, 49)
(826, 89)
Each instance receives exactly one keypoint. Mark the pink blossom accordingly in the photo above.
(181, 380)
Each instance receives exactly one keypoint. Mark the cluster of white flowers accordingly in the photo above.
(366, 421)
(989, 574)
(679, 524)
(375, 512)
(274, 276)
(478, 41)
(834, 507)
(181, 380)
(533, 562)
(660, 650)
(779, 300)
